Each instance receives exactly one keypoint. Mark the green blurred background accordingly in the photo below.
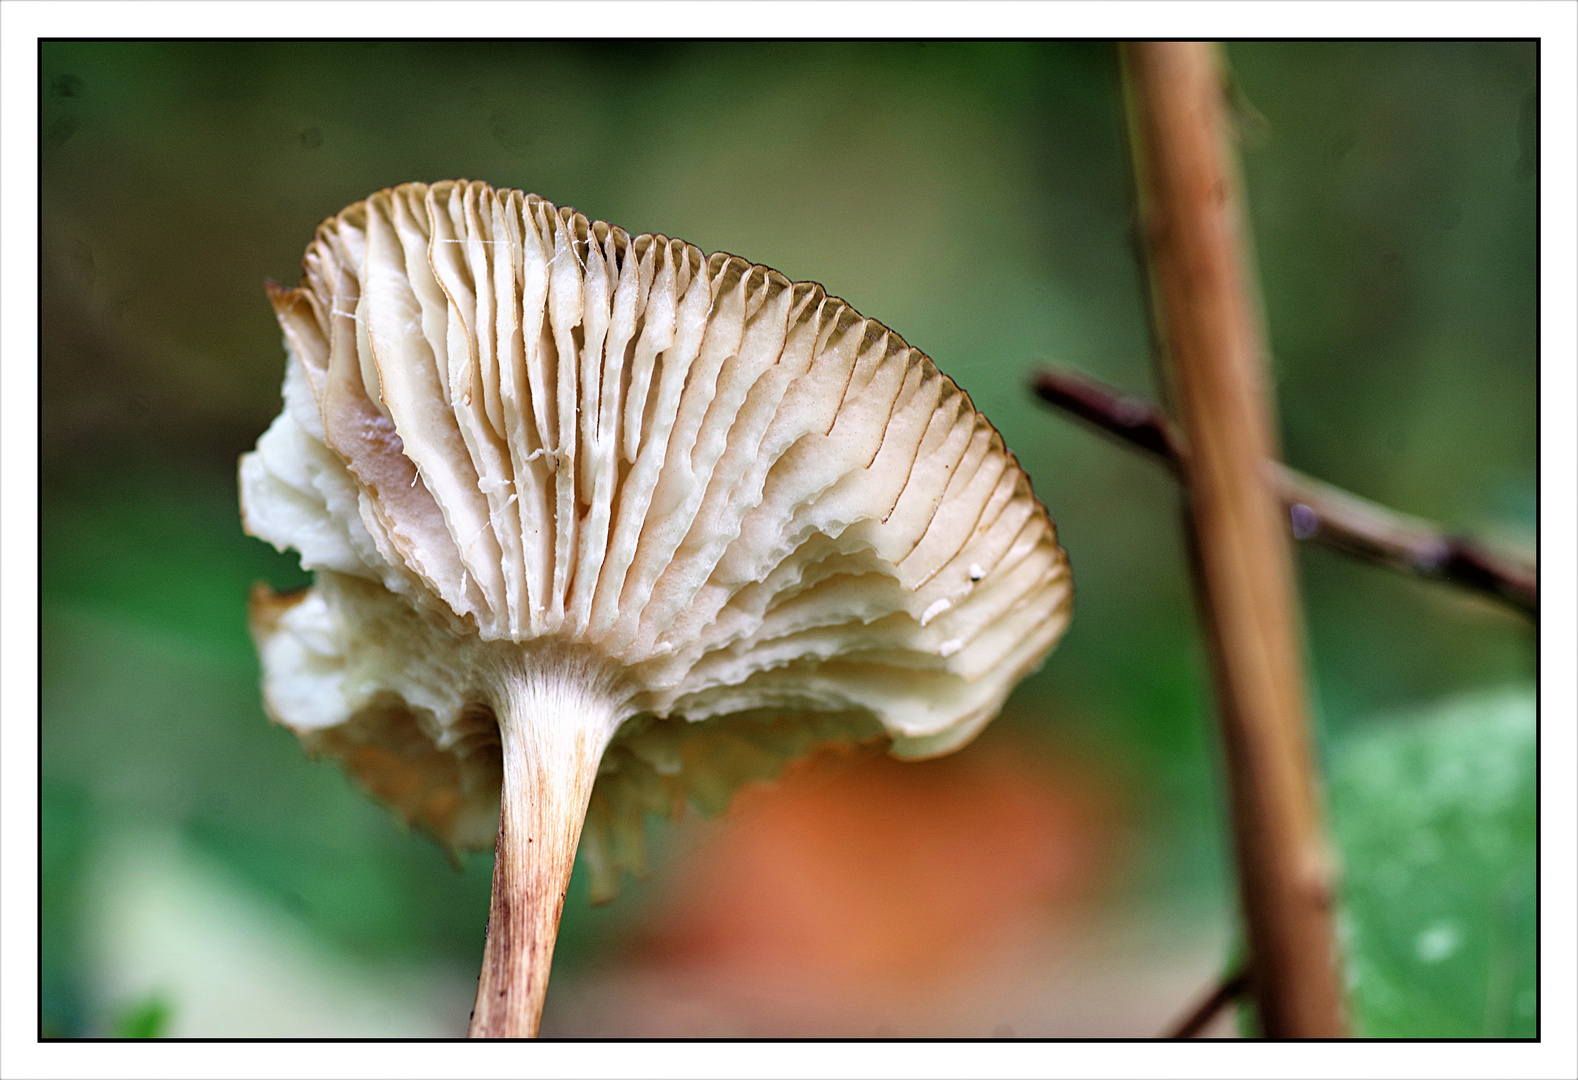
(973, 196)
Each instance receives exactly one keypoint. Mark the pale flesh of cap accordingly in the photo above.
(642, 515)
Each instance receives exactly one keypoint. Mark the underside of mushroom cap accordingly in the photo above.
(509, 429)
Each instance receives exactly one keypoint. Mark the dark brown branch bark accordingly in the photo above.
(1243, 562)
(1222, 995)
(1317, 511)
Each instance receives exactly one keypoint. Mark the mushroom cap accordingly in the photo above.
(511, 430)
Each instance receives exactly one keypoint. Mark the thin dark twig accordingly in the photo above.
(1229, 990)
(1317, 511)
(1133, 419)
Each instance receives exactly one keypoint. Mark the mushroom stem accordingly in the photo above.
(556, 718)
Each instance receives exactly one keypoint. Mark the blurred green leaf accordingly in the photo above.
(348, 891)
(1436, 814)
(159, 542)
(65, 823)
(149, 1019)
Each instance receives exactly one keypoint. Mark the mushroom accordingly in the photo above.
(601, 525)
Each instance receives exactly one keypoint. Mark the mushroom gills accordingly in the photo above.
(719, 512)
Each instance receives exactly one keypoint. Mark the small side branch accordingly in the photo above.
(1229, 990)
(1317, 511)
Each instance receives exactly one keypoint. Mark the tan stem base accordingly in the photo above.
(554, 725)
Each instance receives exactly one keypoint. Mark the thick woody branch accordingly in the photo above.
(1240, 553)
(1317, 511)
